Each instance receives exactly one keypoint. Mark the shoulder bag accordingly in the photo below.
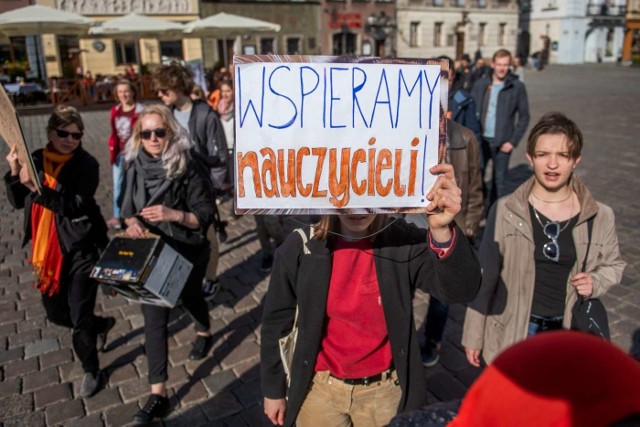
(288, 342)
(588, 314)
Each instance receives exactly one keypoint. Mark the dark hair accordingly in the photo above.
(127, 82)
(555, 123)
(174, 77)
(500, 53)
(64, 115)
(227, 82)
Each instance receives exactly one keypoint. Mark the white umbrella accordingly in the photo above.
(223, 25)
(135, 26)
(36, 20)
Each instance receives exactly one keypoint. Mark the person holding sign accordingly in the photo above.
(357, 359)
(67, 233)
(166, 194)
(536, 241)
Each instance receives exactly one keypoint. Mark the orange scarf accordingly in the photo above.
(46, 256)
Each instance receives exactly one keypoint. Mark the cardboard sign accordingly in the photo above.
(11, 133)
(337, 134)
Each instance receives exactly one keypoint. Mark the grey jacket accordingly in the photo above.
(499, 316)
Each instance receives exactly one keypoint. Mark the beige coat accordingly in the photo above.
(499, 316)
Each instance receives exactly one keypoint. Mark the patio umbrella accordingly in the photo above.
(224, 25)
(36, 20)
(134, 27)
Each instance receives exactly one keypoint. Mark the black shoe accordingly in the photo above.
(267, 263)
(210, 289)
(201, 347)
(90, 384)
(156, 407)
(101, 338)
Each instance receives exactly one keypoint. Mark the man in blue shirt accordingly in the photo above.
(503, 111)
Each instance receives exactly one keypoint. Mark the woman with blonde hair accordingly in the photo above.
(168, 194)
(357, 359)
(67, 233)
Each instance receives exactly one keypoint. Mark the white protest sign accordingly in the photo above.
(323, 135)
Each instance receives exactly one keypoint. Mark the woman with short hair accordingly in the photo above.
(67, 233)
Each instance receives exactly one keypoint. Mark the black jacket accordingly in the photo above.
(211, 148)
(78, 220)
(512, 102)
(191, 192)
(403, 262)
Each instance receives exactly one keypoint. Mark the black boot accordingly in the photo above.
(156, 407)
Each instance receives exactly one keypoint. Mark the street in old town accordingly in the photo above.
(39, 375)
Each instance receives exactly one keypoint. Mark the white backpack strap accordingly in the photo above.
(305, 239)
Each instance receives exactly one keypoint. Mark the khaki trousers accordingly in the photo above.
(214, 255)
(332, 403)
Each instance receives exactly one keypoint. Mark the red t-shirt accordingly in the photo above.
(355, 341)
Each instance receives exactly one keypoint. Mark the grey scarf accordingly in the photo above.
(145, 184)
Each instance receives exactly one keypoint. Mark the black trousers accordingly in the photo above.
(156, 318)
(73, 306)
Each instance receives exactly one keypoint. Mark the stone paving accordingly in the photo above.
(39, 374)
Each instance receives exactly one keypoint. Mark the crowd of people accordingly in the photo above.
(346, 281)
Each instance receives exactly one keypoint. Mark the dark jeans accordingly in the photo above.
(73, 306)
(500, 170)
(156, 318)
(436, 320)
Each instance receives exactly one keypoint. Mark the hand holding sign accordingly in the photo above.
(446, 201)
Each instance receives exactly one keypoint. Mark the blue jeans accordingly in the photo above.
(436, 320)
(535, 328)
(117, 184)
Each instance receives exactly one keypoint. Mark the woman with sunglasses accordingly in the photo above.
(357, 359)
(166, 194)
(67, 232)
(535, 244)
(123, 119)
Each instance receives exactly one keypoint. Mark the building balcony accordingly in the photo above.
(470, 4)
(603, 10)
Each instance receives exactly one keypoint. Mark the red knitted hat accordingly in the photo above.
(554, 379)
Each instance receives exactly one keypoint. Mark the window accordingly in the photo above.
(482, 3)
(125, 52)
(437, 34)
(437, 3)
(482, 33)
(502, 34)
(413, 34)
(458, 3)
(266, 46)
(171, 49)
(293, 46)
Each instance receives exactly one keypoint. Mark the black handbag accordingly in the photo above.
(589, 315)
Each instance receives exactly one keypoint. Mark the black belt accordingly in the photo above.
(546, 323)
(367, 380)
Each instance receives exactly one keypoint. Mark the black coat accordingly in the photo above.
(211, 148)
(403, 262)
(78, 220)
(191, 192)
(512, 112)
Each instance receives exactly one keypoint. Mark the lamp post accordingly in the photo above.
(380, 26)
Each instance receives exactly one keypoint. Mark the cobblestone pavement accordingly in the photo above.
(38, 371)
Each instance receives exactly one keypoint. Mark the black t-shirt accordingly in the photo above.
(551, 277)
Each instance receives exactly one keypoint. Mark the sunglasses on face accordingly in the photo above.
(64, 134)
(146, 134)
(551, 250)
